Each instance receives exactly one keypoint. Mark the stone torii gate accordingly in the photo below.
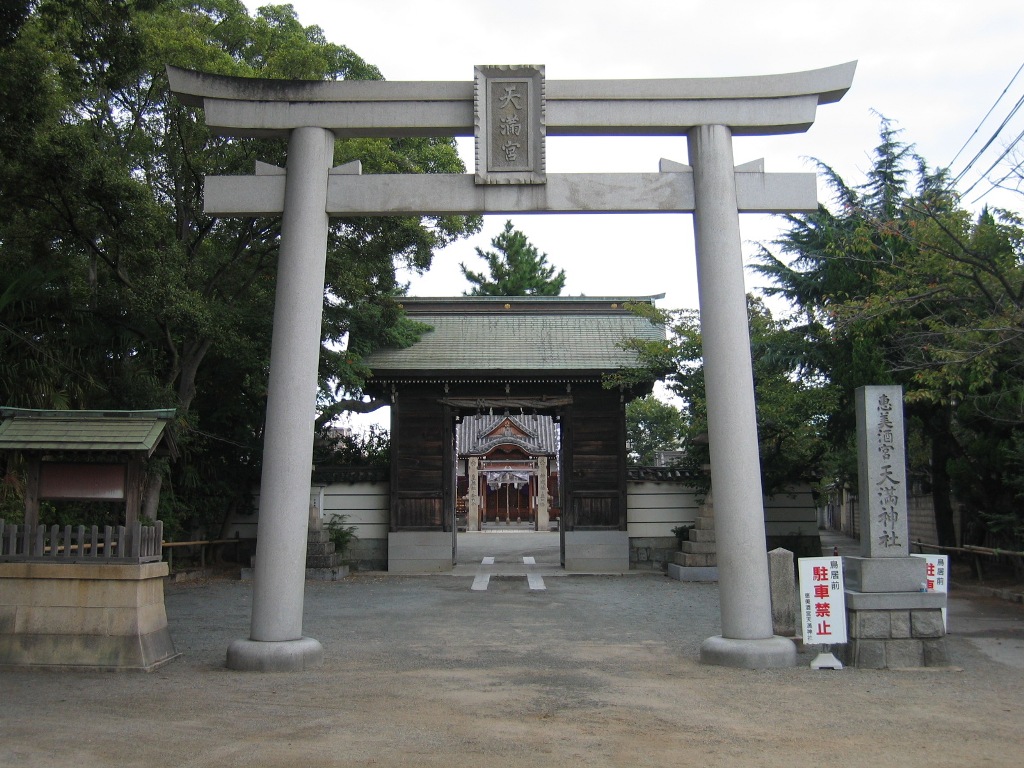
(510, 111)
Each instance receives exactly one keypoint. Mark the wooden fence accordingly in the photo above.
(132, 544)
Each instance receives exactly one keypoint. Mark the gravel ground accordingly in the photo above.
(601, 671)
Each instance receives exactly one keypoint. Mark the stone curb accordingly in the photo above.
(1003, 594)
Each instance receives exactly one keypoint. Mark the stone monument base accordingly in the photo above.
(894, 630)
(101, 616)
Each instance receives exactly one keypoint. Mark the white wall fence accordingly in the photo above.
(657, 502)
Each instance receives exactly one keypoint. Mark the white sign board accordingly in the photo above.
(936, 576)
(822, 600)
(937, 573)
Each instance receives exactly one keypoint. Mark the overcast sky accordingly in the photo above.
(934, 67)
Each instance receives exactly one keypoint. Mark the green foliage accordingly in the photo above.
(903, 286)
(341, 535)
(516, 268)
(123, 293)
(682, 532)
(342, 448)
(792, 408)
(652, 426)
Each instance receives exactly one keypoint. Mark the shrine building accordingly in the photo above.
(501, 410)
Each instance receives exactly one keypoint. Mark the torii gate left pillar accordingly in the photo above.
(276, 642)
(708, 111)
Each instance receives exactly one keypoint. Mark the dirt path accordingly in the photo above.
(595, 671)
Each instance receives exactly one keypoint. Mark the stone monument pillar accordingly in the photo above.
(747, 639)
(275, 641)
(893, 622)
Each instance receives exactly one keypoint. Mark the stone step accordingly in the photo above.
(702, 535)
(704, 524)
(698, 561)
(323, 561)
(322, 548)
(318, 537)
(699, 547)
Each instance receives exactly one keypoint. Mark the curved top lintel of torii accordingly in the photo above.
(758, 104)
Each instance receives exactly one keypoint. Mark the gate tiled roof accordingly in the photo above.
(522, 335)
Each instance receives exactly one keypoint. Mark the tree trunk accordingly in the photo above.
(941, 493)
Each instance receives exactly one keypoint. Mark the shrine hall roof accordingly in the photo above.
(520, 335)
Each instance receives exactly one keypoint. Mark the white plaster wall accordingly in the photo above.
(366, 505)
(655, 508)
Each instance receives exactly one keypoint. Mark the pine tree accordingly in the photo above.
(516, 269)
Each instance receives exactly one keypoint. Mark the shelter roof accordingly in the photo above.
(24, 429)
(517, 336)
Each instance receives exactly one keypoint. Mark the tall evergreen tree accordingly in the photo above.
(515, 267)
(901, 286)
(122, 293)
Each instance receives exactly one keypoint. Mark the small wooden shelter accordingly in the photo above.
(85, 455)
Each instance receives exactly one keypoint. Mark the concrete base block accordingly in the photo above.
(769, 653)
(597, 551)
(284, 656)
(884, 574)
(420, 552)
(682, 573)
(84, 616)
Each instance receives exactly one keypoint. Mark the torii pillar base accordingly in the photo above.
(283, 656)
(770, 653)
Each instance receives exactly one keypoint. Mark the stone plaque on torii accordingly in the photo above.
(511, 179)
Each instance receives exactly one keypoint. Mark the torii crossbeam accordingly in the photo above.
(510, 111)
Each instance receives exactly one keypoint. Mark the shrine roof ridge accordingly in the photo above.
(534, 305)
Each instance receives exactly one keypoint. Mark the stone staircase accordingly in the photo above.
(322, 562)
(698, 560)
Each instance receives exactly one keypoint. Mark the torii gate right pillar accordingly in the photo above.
(747, 639)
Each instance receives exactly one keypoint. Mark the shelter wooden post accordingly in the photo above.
(32, 493)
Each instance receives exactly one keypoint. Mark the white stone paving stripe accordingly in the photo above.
(481, 580)
(535, 580)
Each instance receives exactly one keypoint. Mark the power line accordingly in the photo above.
(1004, 178)
(990, 111)
(988, 143)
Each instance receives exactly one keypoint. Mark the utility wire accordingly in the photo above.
(990, 111)
(997, 161)
(999, 183)
(988, 143)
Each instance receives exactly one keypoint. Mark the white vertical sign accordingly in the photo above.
(936, 573)
(822, 600)
(936, 577)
